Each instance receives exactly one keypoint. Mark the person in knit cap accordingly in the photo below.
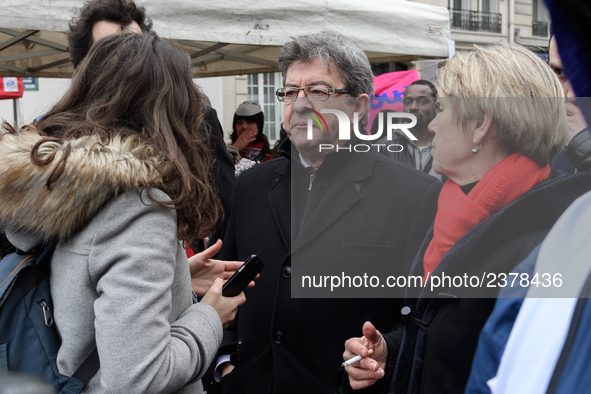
(247, 136)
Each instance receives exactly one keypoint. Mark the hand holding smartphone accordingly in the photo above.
(241, 278)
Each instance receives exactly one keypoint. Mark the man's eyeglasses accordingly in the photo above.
(314, 92)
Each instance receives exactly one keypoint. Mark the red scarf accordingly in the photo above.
(253, 151)
(458, 213)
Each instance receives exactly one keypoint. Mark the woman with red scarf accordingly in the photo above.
(502, 120)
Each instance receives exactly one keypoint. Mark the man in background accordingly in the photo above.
(420, 99)
(577, 155)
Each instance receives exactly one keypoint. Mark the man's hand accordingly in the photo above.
(204, 269)
(368, 370)
(226, 368)
(575, 120)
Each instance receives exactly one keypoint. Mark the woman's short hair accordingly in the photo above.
(518, 89)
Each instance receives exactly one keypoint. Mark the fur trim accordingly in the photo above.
(93, 174)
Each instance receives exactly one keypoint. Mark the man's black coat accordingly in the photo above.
(364, 212)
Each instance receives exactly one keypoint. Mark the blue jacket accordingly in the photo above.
(495, 333)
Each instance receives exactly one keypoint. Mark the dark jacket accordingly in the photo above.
(5, 246)
(495, 333)
(404, 155)
(353, 217)
(579, 150)
(443, 325)
(577, 154)
(222, 167)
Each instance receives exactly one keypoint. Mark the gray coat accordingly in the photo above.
(120, 279)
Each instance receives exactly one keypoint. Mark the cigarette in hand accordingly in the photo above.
(355, 359)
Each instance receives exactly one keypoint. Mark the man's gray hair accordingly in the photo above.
(332, 49)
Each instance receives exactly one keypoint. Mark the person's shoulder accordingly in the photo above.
(138, 201)
(135, 195)
(564, 184)
(272, 166)
(126, 217)
(254, 183)
(209, 113)
(402, 170)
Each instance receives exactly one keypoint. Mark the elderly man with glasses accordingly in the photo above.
(329, 208)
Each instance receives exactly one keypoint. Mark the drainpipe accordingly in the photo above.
(511, 21)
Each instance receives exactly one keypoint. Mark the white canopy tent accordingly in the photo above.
(230, 37)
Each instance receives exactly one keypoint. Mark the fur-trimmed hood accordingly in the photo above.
(94, 173)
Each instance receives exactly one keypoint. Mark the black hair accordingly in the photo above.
(122, 12)
(424, 82)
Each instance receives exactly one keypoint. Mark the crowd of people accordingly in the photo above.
(130, 168)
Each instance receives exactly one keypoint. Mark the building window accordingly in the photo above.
(489, 6)
(261, 88)
(539, 19)
(486, 19)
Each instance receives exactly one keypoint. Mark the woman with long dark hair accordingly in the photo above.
(117, 171)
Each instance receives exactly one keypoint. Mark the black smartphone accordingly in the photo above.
(241, 278)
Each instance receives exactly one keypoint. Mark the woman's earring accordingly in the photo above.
(476, 149)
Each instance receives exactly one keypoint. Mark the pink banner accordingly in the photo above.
(389, 91)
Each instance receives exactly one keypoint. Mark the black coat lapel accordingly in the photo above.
(337, 192)
(279, 202)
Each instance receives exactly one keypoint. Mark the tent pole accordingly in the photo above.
(16, 113)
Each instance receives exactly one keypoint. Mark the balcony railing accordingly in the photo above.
(475, 20)
(539, 28)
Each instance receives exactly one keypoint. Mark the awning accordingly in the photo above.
(230, 38)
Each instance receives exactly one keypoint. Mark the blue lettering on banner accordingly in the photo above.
(396, 96)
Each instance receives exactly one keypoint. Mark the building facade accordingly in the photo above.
(524, 22)
(483, 22)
